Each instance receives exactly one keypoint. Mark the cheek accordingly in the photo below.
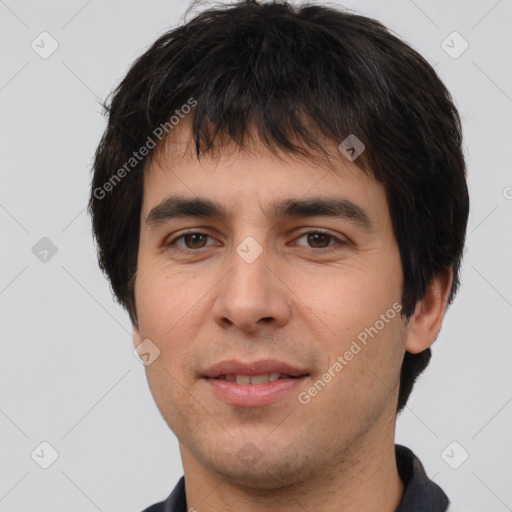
(347, 300)
(165, 297)
(361, 307)
(371, 368)
(172, 396)
(166, 312)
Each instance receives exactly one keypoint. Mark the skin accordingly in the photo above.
(298, 301)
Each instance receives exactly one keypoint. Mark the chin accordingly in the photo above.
(266, 471)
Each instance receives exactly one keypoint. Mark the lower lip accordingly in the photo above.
(253, 395)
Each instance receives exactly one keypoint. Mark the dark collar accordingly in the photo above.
(420, 494)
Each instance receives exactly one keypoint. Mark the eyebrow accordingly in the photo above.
(174, 207)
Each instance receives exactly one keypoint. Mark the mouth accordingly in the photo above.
(256, 379)
(255, 384)
(262, 370)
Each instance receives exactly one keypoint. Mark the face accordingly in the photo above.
(278, 284)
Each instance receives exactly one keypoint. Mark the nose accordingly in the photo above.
(251, 297)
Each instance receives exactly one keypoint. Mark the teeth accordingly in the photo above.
(259, 379)
(254, 379)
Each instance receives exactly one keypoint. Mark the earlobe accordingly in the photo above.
(425, 324)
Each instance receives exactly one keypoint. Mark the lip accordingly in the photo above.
(260, 367)
(253, 395)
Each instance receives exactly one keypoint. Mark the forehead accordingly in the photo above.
(175, 163)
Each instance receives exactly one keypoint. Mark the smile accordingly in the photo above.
(253, 390)
(254, 379)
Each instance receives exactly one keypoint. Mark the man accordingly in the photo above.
(280, 202)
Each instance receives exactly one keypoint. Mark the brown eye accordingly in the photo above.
(191, 241)
(195, 240)
(318, 240)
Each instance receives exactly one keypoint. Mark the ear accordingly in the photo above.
(425, 324)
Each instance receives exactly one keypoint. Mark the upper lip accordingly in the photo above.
(260, 367)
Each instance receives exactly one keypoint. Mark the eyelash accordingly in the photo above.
(172, 243)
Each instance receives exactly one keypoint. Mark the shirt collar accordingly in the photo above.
(420, 493)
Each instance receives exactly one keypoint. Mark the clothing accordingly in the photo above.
(420, 493)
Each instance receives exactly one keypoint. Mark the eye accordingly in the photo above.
(320, 239)
(191, 240)
(195, 240)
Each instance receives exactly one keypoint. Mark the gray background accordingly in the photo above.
(67, 372)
